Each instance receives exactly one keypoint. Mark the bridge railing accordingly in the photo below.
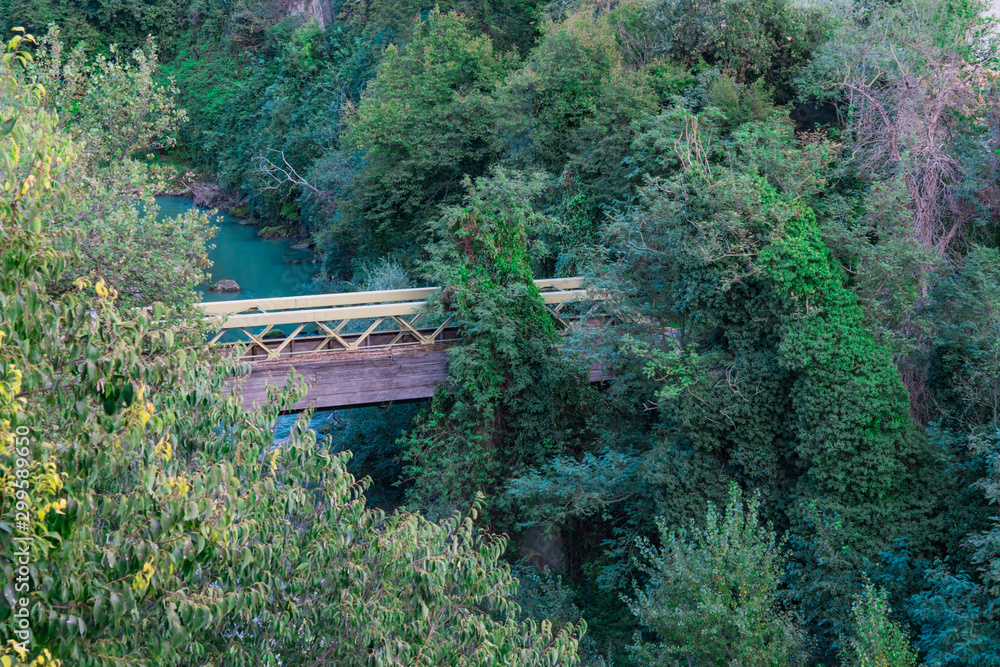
(352, 321)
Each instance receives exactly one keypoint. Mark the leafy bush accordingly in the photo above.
(877, 639)
(711, 595)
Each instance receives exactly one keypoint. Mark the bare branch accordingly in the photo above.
(275, 176)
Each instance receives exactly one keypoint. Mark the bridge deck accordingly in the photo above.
(356, 378)
(353, 379)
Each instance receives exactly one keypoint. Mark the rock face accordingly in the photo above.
(226, 285)
(301, 246)
(321, 10)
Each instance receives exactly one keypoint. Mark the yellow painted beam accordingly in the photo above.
(215, 308)
(317, 301)
(357, 312)
(324, 314)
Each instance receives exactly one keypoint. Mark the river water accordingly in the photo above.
(262, 267)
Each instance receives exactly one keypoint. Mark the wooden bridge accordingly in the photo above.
(356, 348)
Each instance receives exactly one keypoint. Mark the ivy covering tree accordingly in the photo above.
(509, 391)
(809, 403)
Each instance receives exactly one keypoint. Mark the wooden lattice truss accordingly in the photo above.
(349, 322)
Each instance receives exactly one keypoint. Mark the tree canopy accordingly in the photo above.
(785, 217)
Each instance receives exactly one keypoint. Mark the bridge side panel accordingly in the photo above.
(352, 379)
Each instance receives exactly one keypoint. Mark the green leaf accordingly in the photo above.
(116, 604)
(7, 126)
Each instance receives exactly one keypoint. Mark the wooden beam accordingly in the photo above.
(352, 379)
(560, 283)
(316, 301)
(324, 314)
(308, 301)
(359, 378)
(398, 309)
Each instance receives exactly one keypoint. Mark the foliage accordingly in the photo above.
(740, 259)
(804, 301)
(163, 524)
(100, 23)
(382, 274)
(423, 124)
(542, 594)
(914, 95)
(958, 620)
(869, 234)
(113, 106)
(824, 576)
(963, 314)
(569, 111)
(289, 105)
(767, 41)
(372, 437)
(109, 208)
(575, 83)
(878, 640)
(510, 24)
(711, 593)
(509, 400)
(986, 545)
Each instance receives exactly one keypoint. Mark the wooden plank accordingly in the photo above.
(357, 379)
(308, 301)
(550, 298)
(352, 379)
(560, 283)
(317, 300)
(325, 314)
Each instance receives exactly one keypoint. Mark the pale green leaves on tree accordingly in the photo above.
(115, 105)
(112, 109)
(711, 596)
(878, 641)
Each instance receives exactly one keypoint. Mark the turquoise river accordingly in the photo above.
(262, 267)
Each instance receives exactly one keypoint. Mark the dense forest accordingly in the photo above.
(787, 213)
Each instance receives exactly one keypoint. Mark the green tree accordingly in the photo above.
(99, 23)
(425, 122)
(510, 24)
(711, 595)
(571, 111)
(957, 618)
(964, 314)
(798, 395)
(114, 106)
(114, 109)
(575, 85)
(770, 40)
(164, 526)
(878, 641)
(957, 611)
(511, 399)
